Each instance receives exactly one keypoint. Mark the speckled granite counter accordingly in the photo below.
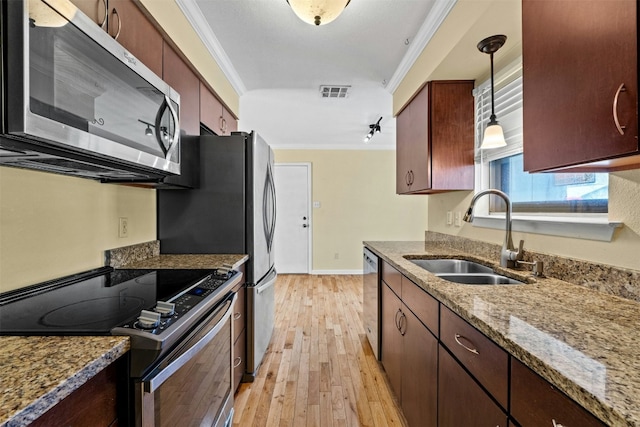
(38, 372)
(583, 341)
(189, 261)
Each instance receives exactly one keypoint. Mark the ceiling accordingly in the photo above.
(276, 63)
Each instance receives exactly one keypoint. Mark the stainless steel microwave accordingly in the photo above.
(75, 102)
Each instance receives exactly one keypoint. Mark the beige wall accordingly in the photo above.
(622, 251)
(356, 190)
(52, 225)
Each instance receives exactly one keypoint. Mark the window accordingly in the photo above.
(546, 194)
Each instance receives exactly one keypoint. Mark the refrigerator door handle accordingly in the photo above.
(269, 282)
(265, 216)
(273, 205)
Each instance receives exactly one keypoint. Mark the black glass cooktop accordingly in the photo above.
(91, 303)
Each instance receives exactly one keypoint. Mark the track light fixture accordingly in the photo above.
(148, 131)
(493, 134)
(373, 129)
(318, 12)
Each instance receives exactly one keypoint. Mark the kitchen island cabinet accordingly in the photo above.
(434, 139)
(580, 87)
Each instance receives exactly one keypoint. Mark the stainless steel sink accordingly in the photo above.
(463, 271)
(480, 279)
(439, 266)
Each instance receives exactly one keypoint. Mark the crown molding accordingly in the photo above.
(435, 18)
(197, 20)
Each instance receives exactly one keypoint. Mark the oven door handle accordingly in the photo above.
(151, 384)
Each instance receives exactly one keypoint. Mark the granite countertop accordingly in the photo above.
(582, 341)
(38, 372)
(195, 261)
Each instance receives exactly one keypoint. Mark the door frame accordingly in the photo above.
(309, 166)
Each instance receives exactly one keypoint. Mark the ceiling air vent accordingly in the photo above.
(334, 91)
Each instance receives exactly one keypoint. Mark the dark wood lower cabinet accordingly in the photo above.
(461, 401)
(391, 352)
(94, 404)
(535, 402)
(419, 373)
(410, 359)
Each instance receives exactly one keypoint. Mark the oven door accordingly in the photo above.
(192, 384)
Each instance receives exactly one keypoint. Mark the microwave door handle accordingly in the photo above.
(176, 131)
(158, 122)
(152, 384)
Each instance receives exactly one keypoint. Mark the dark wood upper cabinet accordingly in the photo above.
(213, 113)
(434, 139)
(122, 18)
(580, 85)
(180, 77)
(136, 33)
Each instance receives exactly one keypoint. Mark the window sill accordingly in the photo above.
(589, 228)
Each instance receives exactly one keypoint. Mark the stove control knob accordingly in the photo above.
(166, 309)
(148, 319)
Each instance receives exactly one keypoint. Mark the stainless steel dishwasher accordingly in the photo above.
(371, 299)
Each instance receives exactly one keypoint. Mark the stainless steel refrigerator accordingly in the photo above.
(233, 211)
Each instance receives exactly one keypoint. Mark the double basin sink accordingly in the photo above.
(463, 271)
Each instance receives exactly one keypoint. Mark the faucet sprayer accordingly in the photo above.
(508, 255)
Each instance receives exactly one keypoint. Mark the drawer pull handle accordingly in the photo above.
(399, 312)
(237, 361)
(620, 128)
(236, 316)
(403, 324)
(471, 350)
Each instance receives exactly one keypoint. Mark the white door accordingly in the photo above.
(293, 224)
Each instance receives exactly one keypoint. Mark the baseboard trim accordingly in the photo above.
(345, 272)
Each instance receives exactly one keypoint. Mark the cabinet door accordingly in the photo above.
(576, 56)
(229, 122)
(94, 9)
(461, 401)
(403, 157)
(451, 135)
(136, 33)
(535, 402)
(391, 339)
(180, 77)
(419, 372)
(210, 110)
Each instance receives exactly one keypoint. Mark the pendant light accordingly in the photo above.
(318, 12)
(493, 135)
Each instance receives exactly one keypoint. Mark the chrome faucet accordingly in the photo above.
(508, 255)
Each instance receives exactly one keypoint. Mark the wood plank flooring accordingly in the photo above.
(319, 369)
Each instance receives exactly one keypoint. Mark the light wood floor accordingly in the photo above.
(319, 369)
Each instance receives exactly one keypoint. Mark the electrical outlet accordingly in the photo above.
(123, 228)
(316, 204)
(457, 219)
(449, 217)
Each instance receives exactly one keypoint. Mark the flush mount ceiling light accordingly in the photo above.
(318, 12)
(493, 135)
(373, 129)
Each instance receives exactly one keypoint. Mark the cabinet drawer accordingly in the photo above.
(239, 312)
(392, 277)
(423, 305)
(239, 360)
(535, 402)
(487, 362)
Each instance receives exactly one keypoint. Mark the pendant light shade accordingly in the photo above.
(318, 12)
(493, 134)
